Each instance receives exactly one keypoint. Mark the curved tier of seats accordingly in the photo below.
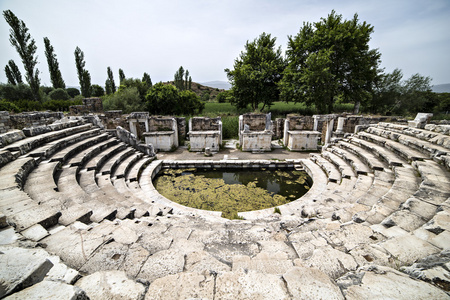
(380, 201)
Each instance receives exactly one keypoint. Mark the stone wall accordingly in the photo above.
(256, 122)
(34, 119)
(297, 122)
(204, 124)
(90, 105)
(130, 139)
(5, 122)
(113, 118)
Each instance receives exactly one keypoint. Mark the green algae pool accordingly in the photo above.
(232, 190)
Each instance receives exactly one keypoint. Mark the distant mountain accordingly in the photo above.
(223, 85)
(441, 88)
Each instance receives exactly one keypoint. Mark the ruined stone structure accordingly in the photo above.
(255, 132)
(298, 134)
(90, 105)
(79, 217)
(205, 133)
(162, 133)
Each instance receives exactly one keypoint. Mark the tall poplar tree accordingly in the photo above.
(110, 85)
(13, 73)
(121, 76)
(20, 38)
(83, 75)
(53, 66)
(178, 79)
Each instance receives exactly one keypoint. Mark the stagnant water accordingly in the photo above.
(232, 190)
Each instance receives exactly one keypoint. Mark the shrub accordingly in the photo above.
(97, 91)
(126, 99)
(8, 106)
(47, 89)
(15, 92)
(73, 92)
(59, 94)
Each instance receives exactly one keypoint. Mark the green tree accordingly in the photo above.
(186, 80)
(17, 92)
(121, 76)
(146, 78)
(13, 73)
(162, 99)
(83, 75)
(127, 100)
(332, 54)
(53, 66)
(256, 73)
(59, 94)
(97, 91)
(178, 79)
(20, 38)
(73, 92)
(110, 85)
(392, 95)
(189, 104)
(224, 97)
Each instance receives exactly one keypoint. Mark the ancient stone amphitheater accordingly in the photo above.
(79, 219)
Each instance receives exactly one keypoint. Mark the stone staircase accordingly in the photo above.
(78, 208)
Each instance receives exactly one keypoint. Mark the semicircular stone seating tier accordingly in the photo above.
(79, 216)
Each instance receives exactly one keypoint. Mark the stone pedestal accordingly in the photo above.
(302, 140)
(256, 141)
(200, 140)
(162, 140)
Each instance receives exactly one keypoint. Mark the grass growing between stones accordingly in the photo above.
(200, 192)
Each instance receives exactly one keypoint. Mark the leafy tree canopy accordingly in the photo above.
(256, 73)
(328, 59)
(97, 91)
(73, 92)
(59, 94)
(165, 99)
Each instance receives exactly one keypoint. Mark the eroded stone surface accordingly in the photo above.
(182, 286)
(51, 290)
(310, 283)
(387, 283)
(250, 285)
(111, 285)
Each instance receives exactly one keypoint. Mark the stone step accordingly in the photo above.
(137, 168)
(357, 164)
(64, 154)
(51, 148)
(14, 174)
(332, 172)
(26, 145)
(345, 169)
(111, 164)
(81, 157)
(388, 156)
(398, 148)
(369, 159)
(96, 162)
(125, 166)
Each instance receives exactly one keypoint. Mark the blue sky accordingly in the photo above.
(206, 36)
